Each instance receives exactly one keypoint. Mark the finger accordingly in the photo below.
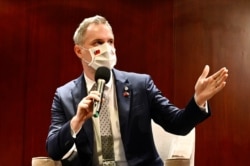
(205, 72)
(222, 78)
(94, 95)
(94, 92)
(219, 73)
(85, 103)
(220, 86)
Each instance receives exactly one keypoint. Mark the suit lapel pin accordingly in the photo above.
(126, 93)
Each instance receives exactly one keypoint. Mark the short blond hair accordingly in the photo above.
(81, 30)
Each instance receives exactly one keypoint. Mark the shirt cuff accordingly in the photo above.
(74, 133)
(204, 108)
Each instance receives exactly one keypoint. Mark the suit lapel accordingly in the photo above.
(78, 93)
(124, 97)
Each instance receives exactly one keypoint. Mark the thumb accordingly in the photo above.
(205, 72)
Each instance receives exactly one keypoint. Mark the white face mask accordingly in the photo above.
(103, 55)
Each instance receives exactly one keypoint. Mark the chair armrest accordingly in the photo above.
(44, 161)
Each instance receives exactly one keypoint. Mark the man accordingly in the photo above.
(134, 101)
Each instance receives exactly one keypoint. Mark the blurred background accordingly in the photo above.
(172, 40)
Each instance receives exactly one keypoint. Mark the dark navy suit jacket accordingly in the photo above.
(144, 102)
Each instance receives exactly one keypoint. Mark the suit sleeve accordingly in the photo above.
(59, 140)
(170, 117)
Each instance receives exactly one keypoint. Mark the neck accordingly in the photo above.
(89, 72)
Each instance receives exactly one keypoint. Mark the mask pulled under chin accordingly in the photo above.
(103, 55)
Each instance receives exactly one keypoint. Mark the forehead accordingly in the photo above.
(98, 31)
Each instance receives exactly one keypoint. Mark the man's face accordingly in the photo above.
(96, 34)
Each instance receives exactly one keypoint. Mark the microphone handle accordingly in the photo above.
(98, 104)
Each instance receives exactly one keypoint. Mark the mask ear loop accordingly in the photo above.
(92, 57)
(91, 54)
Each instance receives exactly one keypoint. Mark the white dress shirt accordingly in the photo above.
(115, 125)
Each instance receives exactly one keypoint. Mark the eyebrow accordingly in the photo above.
(101, 40)
(97, 40)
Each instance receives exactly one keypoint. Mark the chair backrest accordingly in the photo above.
(174, 149)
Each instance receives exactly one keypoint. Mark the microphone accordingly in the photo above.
(102, 76)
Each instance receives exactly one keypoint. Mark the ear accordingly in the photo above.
(78, 51)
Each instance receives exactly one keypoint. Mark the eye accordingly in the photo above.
(111, 41)
(98, 42)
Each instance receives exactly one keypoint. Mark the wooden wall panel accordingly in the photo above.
(12, 74)
(37, 56)
(216, 33)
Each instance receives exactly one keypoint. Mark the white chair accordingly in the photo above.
(44, 161)
(173, 149)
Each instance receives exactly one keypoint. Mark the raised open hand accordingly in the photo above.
(207, 87)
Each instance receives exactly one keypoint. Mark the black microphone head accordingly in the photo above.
(102, 73)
